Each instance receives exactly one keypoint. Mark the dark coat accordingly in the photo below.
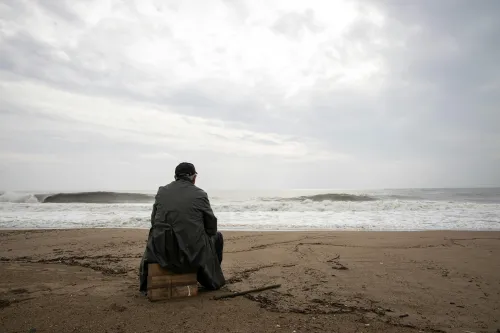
(181, 235)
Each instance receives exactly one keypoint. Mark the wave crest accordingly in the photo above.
(77, 197)
(118, 197)
(98, 197)
(336, 197)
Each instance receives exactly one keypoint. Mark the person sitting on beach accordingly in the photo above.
(183, 237)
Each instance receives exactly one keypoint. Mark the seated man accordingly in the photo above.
(183, 237)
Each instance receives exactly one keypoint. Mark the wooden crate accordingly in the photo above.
(163, 284)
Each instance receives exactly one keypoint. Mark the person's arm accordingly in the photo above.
(209, 219)
(153, 213)
(155, 206)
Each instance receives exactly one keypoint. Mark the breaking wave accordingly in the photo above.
(18, 197)
(119, 197)
(77, 197)
(336, 197)
(98, 197)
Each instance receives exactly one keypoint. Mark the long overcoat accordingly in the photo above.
(181, 235)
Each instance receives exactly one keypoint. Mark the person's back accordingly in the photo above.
(183, 236)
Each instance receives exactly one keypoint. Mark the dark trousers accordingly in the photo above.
(218, 241)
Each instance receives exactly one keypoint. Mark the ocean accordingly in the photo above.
(380, 210)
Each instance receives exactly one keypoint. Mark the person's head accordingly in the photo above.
(186, 171)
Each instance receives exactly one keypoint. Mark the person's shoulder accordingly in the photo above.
(163, 189)
(200, 191)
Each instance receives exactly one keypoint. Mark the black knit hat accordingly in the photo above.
(186, 169)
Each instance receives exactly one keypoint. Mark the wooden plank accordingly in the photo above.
(159, 294)
(155, 282)
(184, 279)
(157, 270)
(163, 285)
(184, 291)
(167, 281)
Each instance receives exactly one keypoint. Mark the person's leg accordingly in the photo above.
(219, 245)
(210, 275)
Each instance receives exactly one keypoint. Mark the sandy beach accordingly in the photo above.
(86, 281)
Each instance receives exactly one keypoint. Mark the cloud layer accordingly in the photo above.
(287, 94)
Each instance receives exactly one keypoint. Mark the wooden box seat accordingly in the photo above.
(163, 284)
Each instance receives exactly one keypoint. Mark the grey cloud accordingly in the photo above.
(424, 69)
(437, 103)
(88, 68)
(60, 10)
(293, 24)
(68, 153)
(85, 72)
(433, 105)
(89, 71)
(220, 99)
(239, 7)
(456, 56)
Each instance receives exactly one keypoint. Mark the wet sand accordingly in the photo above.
(86, 281)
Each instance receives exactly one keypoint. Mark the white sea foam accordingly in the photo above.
(18, 197)
(267, 214)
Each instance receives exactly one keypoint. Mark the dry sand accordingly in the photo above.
(86, 281)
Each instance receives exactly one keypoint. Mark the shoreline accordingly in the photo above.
(267, 230)
(344, 281)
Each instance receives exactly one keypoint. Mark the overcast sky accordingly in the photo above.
(103, 95)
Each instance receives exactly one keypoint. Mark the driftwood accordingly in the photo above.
(241, 293)
(336, 258)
